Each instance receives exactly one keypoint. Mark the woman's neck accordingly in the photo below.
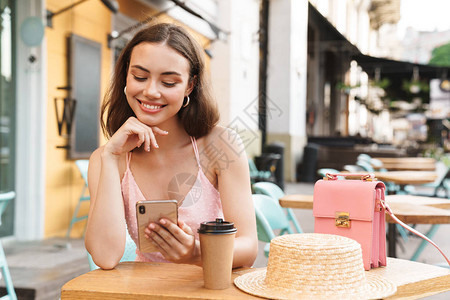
(176, 136)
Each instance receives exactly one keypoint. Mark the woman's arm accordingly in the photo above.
(105, 231)
(106, 228)
(235, 193)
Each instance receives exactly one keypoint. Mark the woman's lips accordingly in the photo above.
(150, 107)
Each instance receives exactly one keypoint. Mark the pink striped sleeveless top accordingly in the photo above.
(202, 203)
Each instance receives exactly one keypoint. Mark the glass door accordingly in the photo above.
(7, 112)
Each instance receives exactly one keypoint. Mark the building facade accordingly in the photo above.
(37, 64)
(309, 46)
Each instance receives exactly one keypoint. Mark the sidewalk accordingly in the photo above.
(40, 268)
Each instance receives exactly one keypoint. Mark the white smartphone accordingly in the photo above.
(152, 211)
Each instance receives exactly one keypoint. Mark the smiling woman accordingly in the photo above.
(162, 124)
(158, 81)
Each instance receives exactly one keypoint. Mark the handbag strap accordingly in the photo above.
(389, 211)
(364, 176)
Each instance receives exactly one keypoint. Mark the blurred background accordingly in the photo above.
(306, 84)
(314, 82)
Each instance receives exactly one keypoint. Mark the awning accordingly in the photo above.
(394, 68)
(400, 73)
(397, 72)
(330, 38)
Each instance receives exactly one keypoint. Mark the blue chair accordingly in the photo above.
(353, 168)
(378, 164)
(4, 200)
(442, 183)
(365, 165)
(269, 217)
(128, 255)
(275, 192)
(82, 165)
(257, 175)
(324, 171)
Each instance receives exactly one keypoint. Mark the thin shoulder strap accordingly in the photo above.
(197, 155)
(128, 159)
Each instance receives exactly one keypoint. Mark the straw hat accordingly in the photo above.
(314, 265)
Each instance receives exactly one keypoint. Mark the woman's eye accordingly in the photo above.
(169, 84)
(139, 78)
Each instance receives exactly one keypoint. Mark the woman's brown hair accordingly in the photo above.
(198, 118)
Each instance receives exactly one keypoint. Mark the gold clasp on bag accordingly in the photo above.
(342, 219)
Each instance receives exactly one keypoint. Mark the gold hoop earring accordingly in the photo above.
(187, 102)
(125, 90)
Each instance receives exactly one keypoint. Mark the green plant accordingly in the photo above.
(383, 83)
(440, 56)
(415, 86)
(345, 87)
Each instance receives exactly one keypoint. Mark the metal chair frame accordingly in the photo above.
(275, 192)
(269, 217)
(4, 201)
(82, 165)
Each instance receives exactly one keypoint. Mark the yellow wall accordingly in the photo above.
(91, 20)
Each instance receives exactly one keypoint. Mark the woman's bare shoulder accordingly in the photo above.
(221, 134)
(225, 139)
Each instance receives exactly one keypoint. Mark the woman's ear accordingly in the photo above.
(191, 84)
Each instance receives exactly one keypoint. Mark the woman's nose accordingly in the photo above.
(151, 90)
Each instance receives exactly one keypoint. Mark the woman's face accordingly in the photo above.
(157, 82)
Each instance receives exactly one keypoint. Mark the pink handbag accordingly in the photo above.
(352, 208)
(356, 209)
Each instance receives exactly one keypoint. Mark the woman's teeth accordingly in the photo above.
(151, 106)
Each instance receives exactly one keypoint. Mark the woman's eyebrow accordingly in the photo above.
(164, 73)
(171, 73)
(140, 68)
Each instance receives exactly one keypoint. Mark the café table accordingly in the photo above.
(408, 163)
(306, 201)
(137, 280)
(403, 178)
(409, 209)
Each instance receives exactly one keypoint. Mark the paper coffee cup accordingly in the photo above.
(217, 247)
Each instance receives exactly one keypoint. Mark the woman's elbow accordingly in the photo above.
(104, 259)
(249, 254)
(106, 263)
(253, 253)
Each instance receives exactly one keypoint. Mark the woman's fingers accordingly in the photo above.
(182, 232)
(159, 239)
(147, 141)
(149, 138)
(177, 242)
(152, 139)
(165, 242)
(159, 131)
(139, 134)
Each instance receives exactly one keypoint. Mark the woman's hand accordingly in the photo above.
(133, 133)
(176, 243)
